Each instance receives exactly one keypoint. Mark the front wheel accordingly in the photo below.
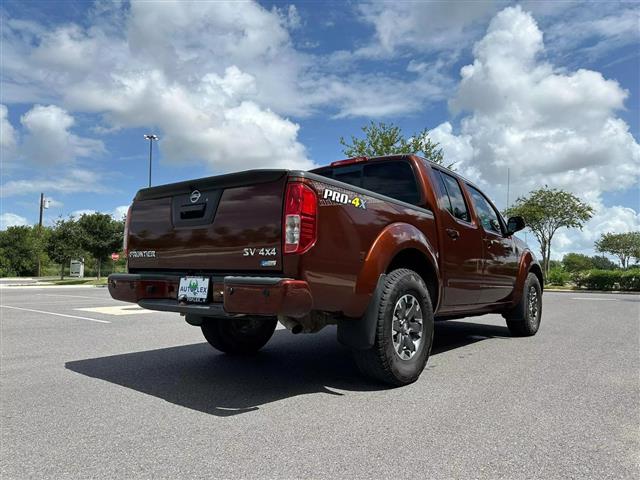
(404, 331)
(242, 335)
(524, 319)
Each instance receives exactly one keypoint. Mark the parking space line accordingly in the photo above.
(61, 295)
(126, 309)
(55, 314)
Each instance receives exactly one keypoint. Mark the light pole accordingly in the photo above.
(44, 203)
(151, 137)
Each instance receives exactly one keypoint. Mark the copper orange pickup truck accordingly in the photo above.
(381, 247)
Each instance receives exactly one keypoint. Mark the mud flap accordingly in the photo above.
(360, 333)
(195, 320)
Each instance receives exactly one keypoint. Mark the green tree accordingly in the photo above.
(19, 251)
(545, 211)
(600, 262)
(555, 264)
(64, 242)
(101, 235)
(625, 246)
(577, 262)
(388, 139)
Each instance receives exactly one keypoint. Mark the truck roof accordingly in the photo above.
(402, 156)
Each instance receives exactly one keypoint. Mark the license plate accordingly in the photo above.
(194, 289)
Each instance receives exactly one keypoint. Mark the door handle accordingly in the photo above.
(453, 233)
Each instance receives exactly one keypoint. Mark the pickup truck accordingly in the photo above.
(381, 247)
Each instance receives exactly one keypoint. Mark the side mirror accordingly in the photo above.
(515, 224)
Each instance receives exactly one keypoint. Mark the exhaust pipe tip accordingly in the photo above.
(297, 328)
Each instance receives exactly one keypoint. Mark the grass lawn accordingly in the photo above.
(81, 281)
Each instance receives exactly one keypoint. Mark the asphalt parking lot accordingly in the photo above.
(93, 388)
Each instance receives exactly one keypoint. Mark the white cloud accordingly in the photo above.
(120, 212)
(423, 26)
(218, 80)
(53, 203)
(117, 213)
(292, 18)
(213, 77)
(549, 127)
(73, 181)
(83, 211)
(49, 145)
(11, 220)
(591, 33)
(378, 96)
(66, 48)
(617, 219)
(207, 75)
(48, 139)
(8, 138)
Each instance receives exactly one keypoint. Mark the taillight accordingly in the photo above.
(125, 237)
(300, 218)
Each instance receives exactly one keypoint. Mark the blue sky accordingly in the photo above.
(548, 90)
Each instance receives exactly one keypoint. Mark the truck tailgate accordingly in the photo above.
(224, 223)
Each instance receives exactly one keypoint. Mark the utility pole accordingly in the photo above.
(41, 209)
(151, 137)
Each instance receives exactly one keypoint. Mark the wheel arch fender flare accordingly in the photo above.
(528, 264)
(395, 238)
(392, 240)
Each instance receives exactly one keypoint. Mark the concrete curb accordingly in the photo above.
(36, 286)
(603, 292)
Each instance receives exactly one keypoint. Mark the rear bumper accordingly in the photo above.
(234, 295)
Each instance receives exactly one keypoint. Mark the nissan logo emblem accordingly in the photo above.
(195, 196)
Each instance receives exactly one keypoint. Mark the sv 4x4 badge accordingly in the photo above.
(343, 198)
(262, 252)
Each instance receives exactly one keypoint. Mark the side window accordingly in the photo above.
(486, 213)
(457, 206)
(393, 179)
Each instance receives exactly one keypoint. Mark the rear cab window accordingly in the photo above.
(394, 179)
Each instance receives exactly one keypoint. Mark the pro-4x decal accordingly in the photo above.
(334, 196)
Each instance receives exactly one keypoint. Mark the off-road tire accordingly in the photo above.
(524, 319)
(241, 336)
(382, 362)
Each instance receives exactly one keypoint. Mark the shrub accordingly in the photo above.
(598, 279)
(630, 280)
(557, 276)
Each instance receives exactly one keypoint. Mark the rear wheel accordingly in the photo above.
(524, 319)
(404, 331)
(242, 335)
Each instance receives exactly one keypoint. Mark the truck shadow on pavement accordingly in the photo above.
(198, 377)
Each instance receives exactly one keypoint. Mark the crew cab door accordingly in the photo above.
(500, 264)
(460, 244)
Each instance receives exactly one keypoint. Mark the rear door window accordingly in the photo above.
(456, 203)
(393, 179)
(441, 191)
